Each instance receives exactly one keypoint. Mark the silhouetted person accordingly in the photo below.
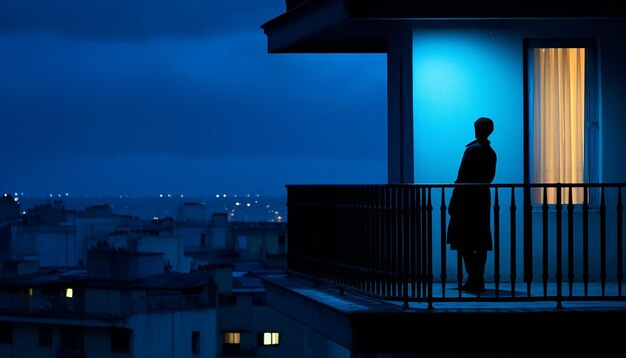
(469, 230)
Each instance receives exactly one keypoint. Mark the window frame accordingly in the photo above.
(592, 118)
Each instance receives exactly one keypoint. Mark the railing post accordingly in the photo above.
(528, 237)
(424, 269)
(544, 215)
(620, 269)
(586, 241)
(570, 242)
(405, 246)
(559, 246)
(496, 241)
(602, 241)
(417, 247)
(430, 248)
(513, 251)
(443, 228)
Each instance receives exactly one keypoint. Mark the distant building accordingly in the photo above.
(9, 208)
(240, 240)
(248, 326)
(123, 304)
(129, 276)
(191, 212)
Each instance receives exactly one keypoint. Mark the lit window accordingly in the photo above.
(30, 291)
(558, 120)
(69, 293)
(232, 338)
(270, 338)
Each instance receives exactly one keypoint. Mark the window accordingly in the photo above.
(269, 338)
(45, 336)
(232, 343)
(195, 342)
(6, 333)
(232, 338)
(562, 128)
(120, 339)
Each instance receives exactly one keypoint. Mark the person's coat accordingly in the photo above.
(470, 216)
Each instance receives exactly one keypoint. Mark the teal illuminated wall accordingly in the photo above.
(466, 69)
(460, 75)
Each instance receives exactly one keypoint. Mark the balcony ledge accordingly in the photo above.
(365, 326)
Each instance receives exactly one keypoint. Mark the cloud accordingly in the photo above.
(135, 20)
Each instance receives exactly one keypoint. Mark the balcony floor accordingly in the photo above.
(367, 326)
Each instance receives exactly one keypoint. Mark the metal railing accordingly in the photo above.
(389, 241)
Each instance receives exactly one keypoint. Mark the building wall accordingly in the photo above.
(96, 341)
(168, 334)
(466, 69)
(171, 247)
(251, 319)
(25, 343)
(56, 245)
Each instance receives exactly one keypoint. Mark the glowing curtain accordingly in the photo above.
(559, 122)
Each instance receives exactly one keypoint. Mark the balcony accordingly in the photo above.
(389, 242)
(369, 268)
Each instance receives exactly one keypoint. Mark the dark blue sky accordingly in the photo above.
(117, 97)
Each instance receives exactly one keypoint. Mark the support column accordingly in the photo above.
(400, 160)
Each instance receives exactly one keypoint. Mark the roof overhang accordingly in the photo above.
(360, 26)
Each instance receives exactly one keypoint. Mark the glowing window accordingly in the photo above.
(558, 124)
(232, 338)
(69, 293)
(270, 338)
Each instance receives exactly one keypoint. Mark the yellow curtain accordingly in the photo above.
(559, 122)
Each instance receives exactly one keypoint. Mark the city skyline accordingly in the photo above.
(127, 98)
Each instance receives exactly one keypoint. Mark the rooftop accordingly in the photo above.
(338, 26)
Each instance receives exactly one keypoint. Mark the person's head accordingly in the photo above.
(483, 127)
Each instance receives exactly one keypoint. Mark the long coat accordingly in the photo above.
(469, 209)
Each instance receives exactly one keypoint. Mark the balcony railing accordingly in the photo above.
(389, 241)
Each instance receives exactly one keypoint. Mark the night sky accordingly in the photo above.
(129, 97)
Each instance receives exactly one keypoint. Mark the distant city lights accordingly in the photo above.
(242, 206)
